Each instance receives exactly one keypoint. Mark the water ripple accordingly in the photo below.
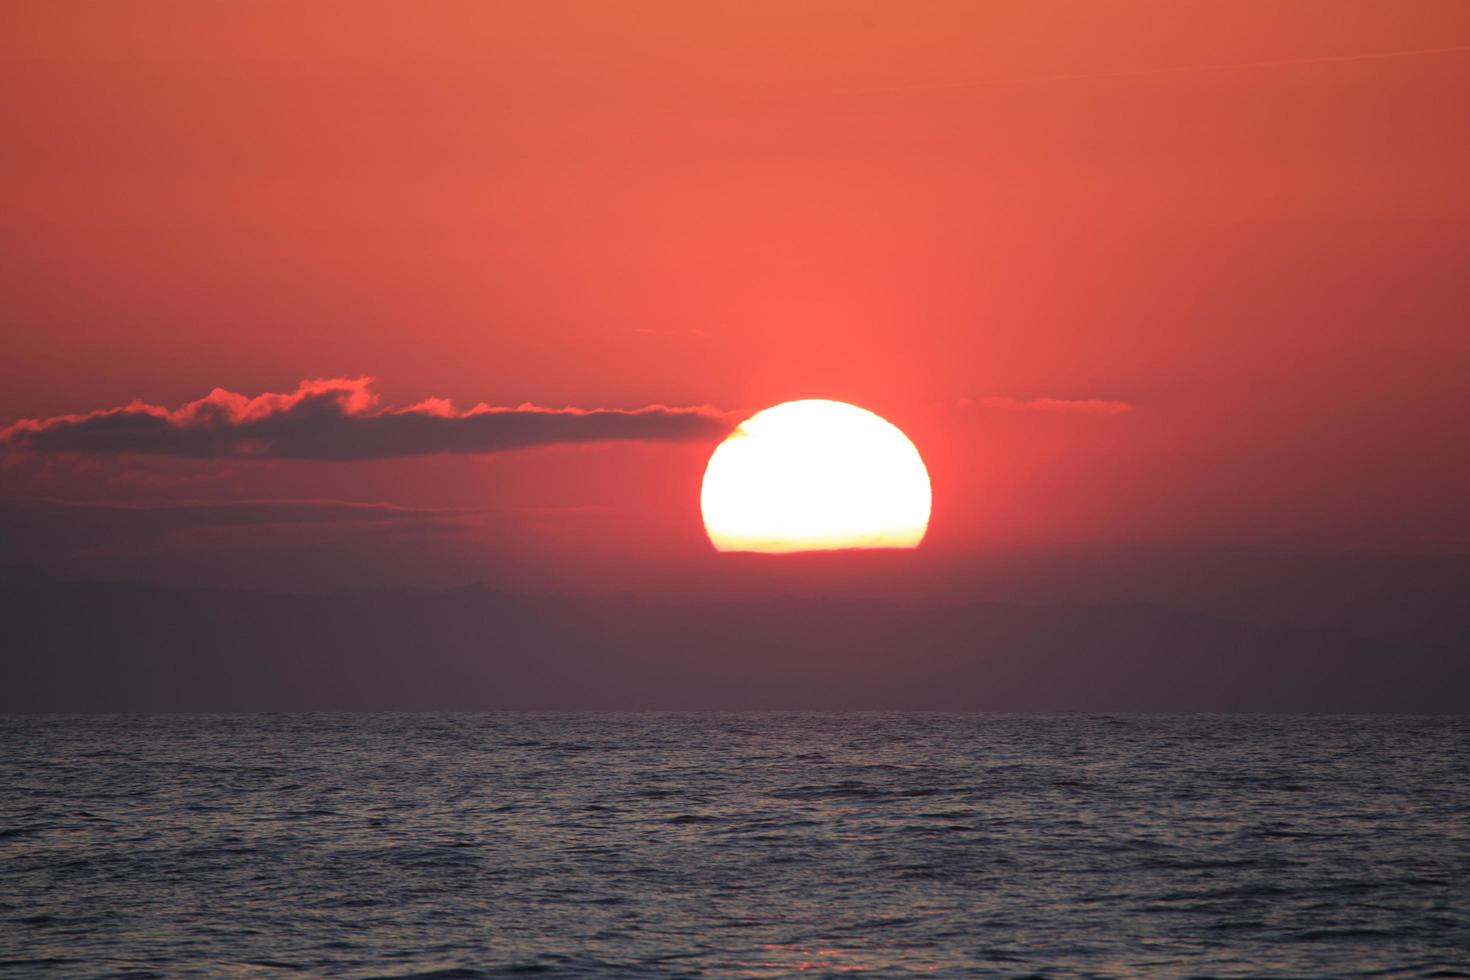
(762, 845)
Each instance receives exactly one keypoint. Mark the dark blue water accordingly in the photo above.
(734, 845)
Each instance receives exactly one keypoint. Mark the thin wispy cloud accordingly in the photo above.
(1063, 406)
(340, 418)
(1185, 69)
(172, 515)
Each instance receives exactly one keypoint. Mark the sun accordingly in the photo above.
(815, 475)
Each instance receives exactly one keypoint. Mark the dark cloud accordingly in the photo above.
(339, 418)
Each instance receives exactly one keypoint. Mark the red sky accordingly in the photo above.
(1250, 223)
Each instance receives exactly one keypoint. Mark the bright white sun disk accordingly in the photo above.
(815, 475)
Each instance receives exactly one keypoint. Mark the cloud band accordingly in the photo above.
(339, 418)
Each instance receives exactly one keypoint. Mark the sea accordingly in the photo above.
(734, 845)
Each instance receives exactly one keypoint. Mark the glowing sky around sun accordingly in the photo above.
(1128, 274)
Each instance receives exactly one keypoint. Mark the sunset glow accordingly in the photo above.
(815, 475)
(473, 464)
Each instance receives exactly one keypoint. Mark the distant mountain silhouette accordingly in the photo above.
(122, 647)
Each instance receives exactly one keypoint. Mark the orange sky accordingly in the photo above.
(1218, 214)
